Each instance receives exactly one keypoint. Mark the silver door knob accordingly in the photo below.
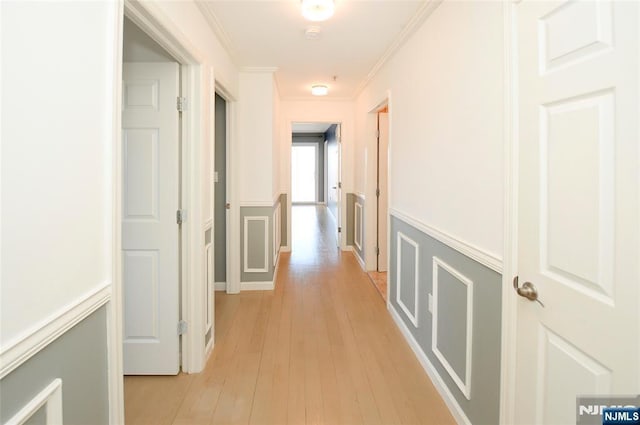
(227, 206)
(527, 290)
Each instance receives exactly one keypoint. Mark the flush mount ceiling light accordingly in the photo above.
(317, 10)
(319, 90)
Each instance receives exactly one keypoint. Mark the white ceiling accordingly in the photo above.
(270, 33)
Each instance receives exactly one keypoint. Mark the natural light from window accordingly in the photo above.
(303, 173)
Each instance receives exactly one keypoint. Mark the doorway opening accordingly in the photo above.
(151, 194)
(304, 166)
(315, 186)
(379, 275)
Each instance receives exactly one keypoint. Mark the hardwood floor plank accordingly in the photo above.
(321, 348)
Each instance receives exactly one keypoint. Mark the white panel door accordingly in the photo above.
(150, 146)
(383, 198)
(333, 181)
(578, 207)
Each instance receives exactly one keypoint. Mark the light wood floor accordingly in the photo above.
(379, 279)
(320, 349)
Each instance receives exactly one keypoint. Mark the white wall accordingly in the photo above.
(277, 142)
(446, 116)
(255, 137)
(58, 72)
(189, 20)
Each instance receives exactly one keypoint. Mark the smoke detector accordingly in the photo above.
(312, 33)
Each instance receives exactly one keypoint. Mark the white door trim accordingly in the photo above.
(152, 20)
(510, 241)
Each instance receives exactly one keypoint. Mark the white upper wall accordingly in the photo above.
(58, 72)
(189, 20)
(447, 123)
(255, 137)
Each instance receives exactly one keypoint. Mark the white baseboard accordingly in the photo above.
(286, 248)
(347, 248)
(256, 286)
(360, 260)
(220, 286)
(21, 349)
(457, 412)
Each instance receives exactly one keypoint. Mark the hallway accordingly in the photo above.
(319, 349)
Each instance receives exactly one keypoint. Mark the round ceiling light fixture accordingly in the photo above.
(317, 10)
(319, 90)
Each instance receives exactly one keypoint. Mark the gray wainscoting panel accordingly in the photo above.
(256, 244)
(79, 359)
(407, 277)
(358, 226)
(482, 407)
(284, 209)
(258, 240)
(452, 330)
(351, 199)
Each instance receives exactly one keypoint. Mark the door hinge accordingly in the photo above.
(181, 103)
(339, 185)
(339, 229)
(378, 193)
(377, 251)
(181, 216)
(183, 327)
(377, 134)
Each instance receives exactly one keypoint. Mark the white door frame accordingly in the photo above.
(152, 21)
(371, 183)
(289, 134)
(510, 241)
(233, 213)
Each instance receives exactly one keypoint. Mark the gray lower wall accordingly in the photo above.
(79, 359)
(352, 198)
(483, 405)
(256, 240)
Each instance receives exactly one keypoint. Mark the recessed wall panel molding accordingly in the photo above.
(407, 276)
(451, 336)
(256, 244)
(357, 226)
(47, 403)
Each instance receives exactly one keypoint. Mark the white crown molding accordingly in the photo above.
(25, 346)
(483, 257)
(218, 29)
(421, 15)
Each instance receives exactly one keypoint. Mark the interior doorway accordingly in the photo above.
(151, 182)
(221, 203)
(315, 171)
(379, 275)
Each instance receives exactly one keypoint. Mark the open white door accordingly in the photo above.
(578, 86)
(150, 138)
(334, 181)
(383, 196)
